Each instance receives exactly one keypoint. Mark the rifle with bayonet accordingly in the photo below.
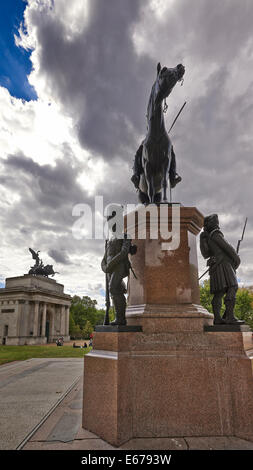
(237, 249)
(178, 114)
(107, 293)
(241, 239)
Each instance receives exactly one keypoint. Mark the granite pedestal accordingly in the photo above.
(176, 376)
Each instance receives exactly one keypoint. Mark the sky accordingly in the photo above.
(75, 78)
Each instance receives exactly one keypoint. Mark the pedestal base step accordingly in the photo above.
(118, 328)
(227, 328)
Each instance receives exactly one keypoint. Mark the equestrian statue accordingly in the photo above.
(155, 160)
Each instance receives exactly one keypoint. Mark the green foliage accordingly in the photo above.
(88, 329)
(72, 324)
(111, 314)
(76, 332)
(100, 317)
(205, 296)
(84, 310)
(243, 306)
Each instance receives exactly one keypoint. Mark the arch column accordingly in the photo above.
(44, 316)
(52, 322)
(62, 327)
(36, 318)
(66, 320)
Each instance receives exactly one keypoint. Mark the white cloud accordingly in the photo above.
(38, 129)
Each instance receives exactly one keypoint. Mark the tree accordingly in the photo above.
(101, 316)
(88, 329)
(76, 332)
(243, 307)
(84, 309)
(205, 296)
(72, 325)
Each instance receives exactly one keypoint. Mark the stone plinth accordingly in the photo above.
(33, 310)
(178, 376)
(164, 276)
(34, 282)
(166, 291)
(190, 383)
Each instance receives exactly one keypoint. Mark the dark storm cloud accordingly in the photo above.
(207, 31)
(46, 195)
(215, 165)
(59, 256)
(98, 75)
(51, 186)
(42, 214)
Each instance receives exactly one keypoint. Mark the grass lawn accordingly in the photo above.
(21, 353)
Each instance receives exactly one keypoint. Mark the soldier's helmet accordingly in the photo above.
(211, 222)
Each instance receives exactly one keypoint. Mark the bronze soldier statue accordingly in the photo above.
(223, 262)
(116, 264)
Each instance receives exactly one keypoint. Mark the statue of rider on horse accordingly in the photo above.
(155, 160)
(39, 269)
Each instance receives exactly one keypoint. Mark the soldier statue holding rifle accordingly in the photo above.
(223, 260)
(116, 266)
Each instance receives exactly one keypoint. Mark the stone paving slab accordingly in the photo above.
(218, 443)
(28, 391)
(66, 428)
(63, 431)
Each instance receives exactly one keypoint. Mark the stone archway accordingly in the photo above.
(39, 313)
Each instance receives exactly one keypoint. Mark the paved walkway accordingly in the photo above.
(29, 390)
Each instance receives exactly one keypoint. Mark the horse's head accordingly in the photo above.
(167, 79)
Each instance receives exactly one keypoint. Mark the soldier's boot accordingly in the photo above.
(174, 176)
(229, 313)
(119, 303)
(175, 181)
(216, 304)
(135, 178)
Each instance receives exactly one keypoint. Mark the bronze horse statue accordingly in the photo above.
(155, 158)
(39, 269)
(42, 270)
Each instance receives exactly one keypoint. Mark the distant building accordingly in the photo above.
(33, 310)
